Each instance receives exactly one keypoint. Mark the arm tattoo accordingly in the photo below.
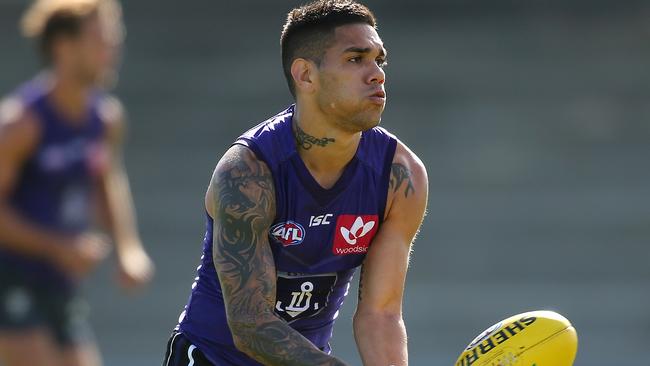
(307, 141)
(276, 346)
(245, 205)
(398, 174)
(245, 208)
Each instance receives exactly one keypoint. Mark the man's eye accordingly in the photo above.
(382, 62)
(355, 59)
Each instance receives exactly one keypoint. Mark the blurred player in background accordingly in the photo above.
(299, 202)
(60, 166)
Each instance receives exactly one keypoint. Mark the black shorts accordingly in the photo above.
(28, 304)
(181, 352)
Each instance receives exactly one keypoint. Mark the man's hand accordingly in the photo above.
(135, 267)
(79, 257)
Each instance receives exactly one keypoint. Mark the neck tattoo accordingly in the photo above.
(307, 141)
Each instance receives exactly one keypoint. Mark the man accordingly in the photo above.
(301, 200)
(60, 162)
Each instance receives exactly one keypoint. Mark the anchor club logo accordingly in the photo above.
(302, 297)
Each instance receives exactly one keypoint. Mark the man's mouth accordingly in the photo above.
(378, 97)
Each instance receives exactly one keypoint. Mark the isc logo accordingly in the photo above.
(288, 233)
(320, 220)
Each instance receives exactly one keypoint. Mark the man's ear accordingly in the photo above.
(304, 73)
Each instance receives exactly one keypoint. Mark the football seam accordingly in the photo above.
(545, 339)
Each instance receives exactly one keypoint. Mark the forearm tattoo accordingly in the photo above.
(245, 208)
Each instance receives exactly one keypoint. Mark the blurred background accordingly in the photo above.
(533, 119)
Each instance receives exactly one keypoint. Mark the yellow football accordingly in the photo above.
(537, 338)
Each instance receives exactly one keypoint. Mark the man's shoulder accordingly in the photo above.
(20, 130)
(407, 157)
(254, 150)
(110, 108)
(17, 115)
(270, 126)
(272, 140)
(238, 166)
(408, 179)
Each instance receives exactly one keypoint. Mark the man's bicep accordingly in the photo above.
(243, 209)
(113, 118)
(410, 189)
(18, 138)
(381, 284)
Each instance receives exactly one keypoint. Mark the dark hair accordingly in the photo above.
(309, 30)
(48, 20)
(61, 24)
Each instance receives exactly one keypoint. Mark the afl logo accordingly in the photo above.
(288, 233)
(483, 336)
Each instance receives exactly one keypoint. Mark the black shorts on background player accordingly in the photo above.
(29, 304)
(180, 352)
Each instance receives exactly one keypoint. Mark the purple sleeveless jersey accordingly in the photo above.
(318, 238)
(53, 189)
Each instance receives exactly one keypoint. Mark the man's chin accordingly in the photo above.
(373, 124)
(374, 119)
(362, 120)
(367, 124)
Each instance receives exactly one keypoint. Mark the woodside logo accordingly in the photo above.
(354, 233)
